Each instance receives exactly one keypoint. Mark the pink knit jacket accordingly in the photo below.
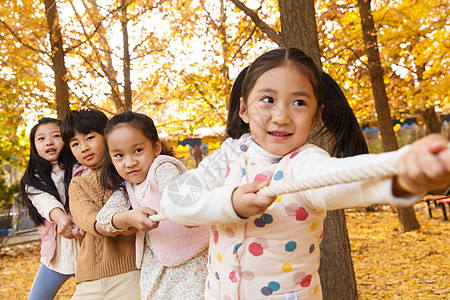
(172, 243)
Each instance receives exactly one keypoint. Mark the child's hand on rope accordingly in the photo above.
(64, 222)
(137, 218)
(247, 203)
(78, 232)
(425, 167)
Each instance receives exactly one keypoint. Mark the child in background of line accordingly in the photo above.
(106, 262)
(43, 192)
(138, 166)
(268, 248)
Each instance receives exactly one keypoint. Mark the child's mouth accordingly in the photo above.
(279, 133)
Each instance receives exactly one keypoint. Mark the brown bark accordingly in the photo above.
(336, 266)
(126, 58)
(299, 28)
(406, 215)
(376, 75)
(432, 124)
(57, 56)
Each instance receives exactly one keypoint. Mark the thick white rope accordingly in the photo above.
(379, 171)
(369, 172)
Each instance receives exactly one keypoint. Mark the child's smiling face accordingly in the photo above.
(281, 110)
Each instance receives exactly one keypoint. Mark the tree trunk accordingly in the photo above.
(299, 30)
(406, 215)
(57, 56)
(336, 266)
(126, 58)
(432, 124)
(376, 75)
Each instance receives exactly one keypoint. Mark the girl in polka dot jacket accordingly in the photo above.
(268, 248)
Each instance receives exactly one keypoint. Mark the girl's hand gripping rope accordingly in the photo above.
(425, 167)
(246, 202)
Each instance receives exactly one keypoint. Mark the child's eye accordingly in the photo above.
(118, 155)
(73, 145)
(57, 136)
(40, 139)
(298, 103)
(138, 150)
(267, 100)
(90, 137)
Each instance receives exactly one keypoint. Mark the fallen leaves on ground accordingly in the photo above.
(18, 266)
(388, 264)
(393, 265)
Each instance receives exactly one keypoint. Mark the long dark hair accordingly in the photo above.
(340, 121)
(38, 173)
(236, 127)
(110, 178)
(337, 116)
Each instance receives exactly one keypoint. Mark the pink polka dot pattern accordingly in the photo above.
(296, 210)
(302, 278)
(233, 276)
(229, 232)
(247, 275)
(291, 209)
(215, 236)
(263, 176)
(263, 243)
(255, 249)
(301, 214)
(306, 281)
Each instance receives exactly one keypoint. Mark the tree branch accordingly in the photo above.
(271, 33)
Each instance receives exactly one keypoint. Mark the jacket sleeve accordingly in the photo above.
(315, 162)
(83, 207)
(199, 197)
(44, 202)
(117, 202)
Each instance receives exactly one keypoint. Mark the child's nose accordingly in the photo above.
(280, 115)
(130, 162)
(84, 146)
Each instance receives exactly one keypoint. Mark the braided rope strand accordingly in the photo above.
(356, 174)
(369, 172)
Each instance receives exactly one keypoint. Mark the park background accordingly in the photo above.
(176, 62)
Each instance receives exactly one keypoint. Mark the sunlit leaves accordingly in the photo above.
(414, 52)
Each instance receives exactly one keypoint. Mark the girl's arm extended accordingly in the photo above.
(44, 202)
(116, 203)
(116, 216)
(199, 197)
(52, 210)
(411, 162)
